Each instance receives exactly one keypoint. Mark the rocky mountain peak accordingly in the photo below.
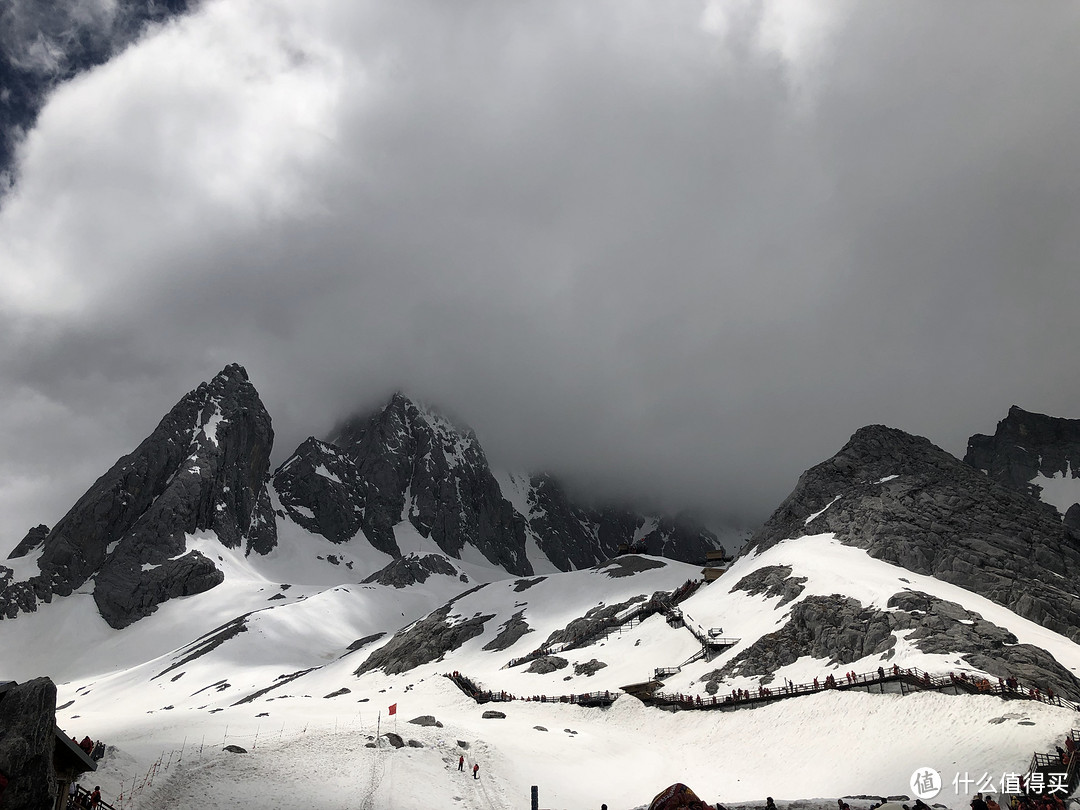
(34, 538)
(908, 502)
(876, 451)
(1028, 451)
(202, 470)
(404, 461)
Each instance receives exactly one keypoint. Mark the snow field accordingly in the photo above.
(310, 752)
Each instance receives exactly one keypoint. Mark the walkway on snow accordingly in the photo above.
(894, 680)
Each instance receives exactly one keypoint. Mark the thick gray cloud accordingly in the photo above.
(676, 250)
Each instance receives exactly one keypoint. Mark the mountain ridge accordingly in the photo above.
(402, 473)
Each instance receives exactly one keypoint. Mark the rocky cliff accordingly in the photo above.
(406, 462)
(1029, 450)
(202, 470)
(910, 503)
(403, 462)
(27, 740)
(574, 536)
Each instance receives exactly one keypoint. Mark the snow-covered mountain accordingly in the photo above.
(202, 471)
(401, 480)
(368, 584)
(408, 463)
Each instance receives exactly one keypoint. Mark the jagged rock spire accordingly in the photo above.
(202, 470)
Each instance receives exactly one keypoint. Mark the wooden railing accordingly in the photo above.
(481, 695)
(912, 677)
(82, 800)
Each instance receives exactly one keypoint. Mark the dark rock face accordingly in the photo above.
(427, 640)
(942, 627)
(27, 739)
(628, 565)
(772, 580)
(835, 628)
(589, 668)
(426, 720)
(492, 714)
(513, 629)
(35, 538)
(321, 490)
(547, 664)
(203, 469)
(413, 569)
(1072, 519)
(840, 630)
(524, 584)
(593, 620)
(574, 536)
(912, 504)
(404, 463)
(1025, 445)
(363, 642)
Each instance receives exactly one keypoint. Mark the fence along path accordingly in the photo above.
(910, 679)
(131, 790)
(481, 695)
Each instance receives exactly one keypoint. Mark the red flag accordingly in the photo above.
(393, 708)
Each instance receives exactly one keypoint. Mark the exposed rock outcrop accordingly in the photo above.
(594, 620)
(34, 539)
(414, 569)
(910, 503)
(404, 462)
(27, 740)
(426, 640)
(1026, 445)
(547, 664)
(772, 580)
(320, 488)
(575, 536)
(407, 462)
(839, 630)
(513, 629)
(589, 668)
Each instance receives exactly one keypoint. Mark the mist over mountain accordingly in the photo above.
(387, 564)
(144, 530)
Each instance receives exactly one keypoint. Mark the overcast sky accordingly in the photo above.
(681, 249)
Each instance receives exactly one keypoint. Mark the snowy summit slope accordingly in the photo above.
(600, 684)
(307, 737)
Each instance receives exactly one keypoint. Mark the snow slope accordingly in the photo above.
(306, 736)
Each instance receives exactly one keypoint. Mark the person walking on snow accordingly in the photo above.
(475, 768)
(461, 763)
